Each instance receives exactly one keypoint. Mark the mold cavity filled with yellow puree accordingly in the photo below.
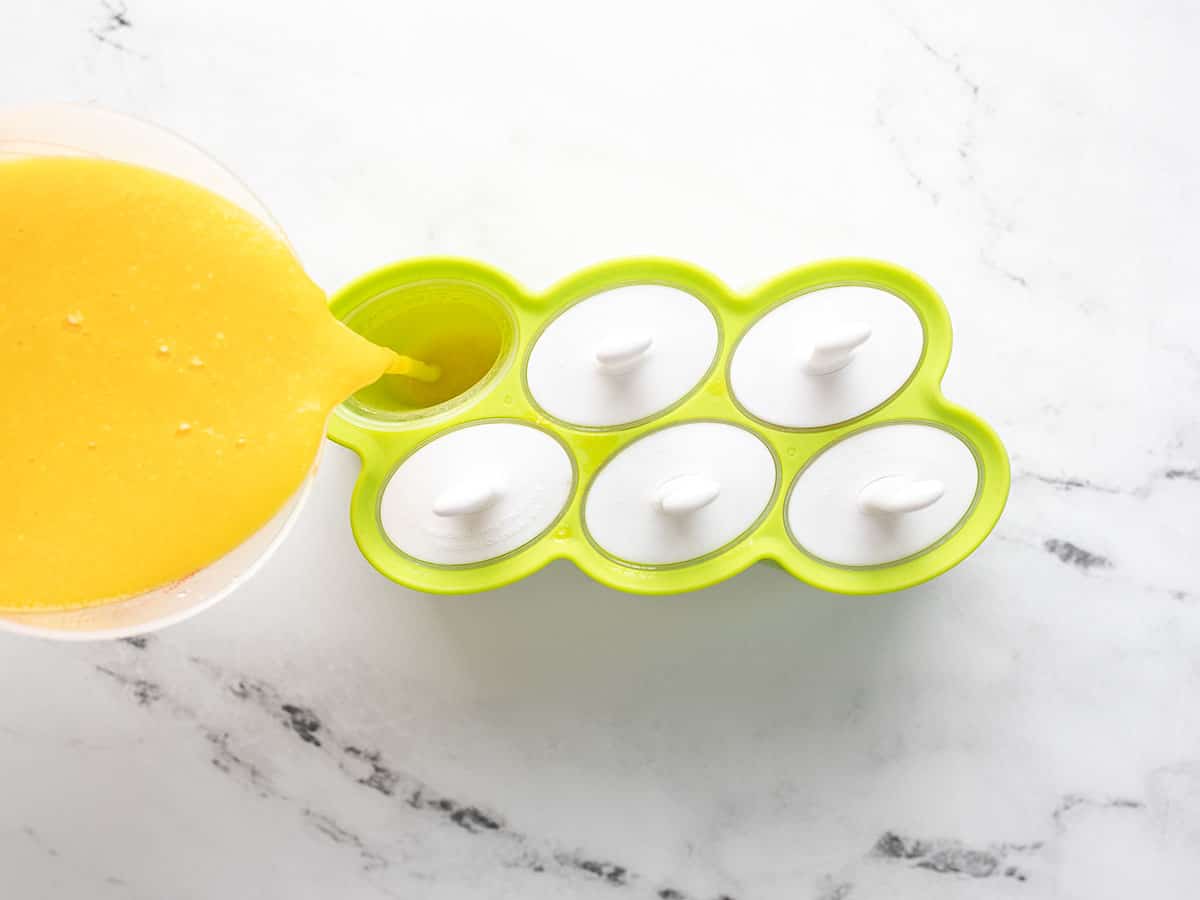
(166, 370)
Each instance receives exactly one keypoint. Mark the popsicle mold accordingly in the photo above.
(664, 432)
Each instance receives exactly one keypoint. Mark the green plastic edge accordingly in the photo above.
(382, 447)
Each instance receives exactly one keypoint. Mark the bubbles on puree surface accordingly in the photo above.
(146, 327)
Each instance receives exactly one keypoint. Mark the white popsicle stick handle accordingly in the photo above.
(623, 352)
(686, 494)
(467, 497)
(897, 494)
(834, 347)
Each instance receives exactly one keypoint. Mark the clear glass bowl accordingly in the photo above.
(64, 129)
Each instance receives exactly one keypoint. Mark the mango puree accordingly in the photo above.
(166, 370)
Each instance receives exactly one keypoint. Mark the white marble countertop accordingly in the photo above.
(1027, 726)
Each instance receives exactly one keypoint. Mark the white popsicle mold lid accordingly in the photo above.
(622, 355)
(476, 493)
(882, 494)
(826, 356)
(680, 493)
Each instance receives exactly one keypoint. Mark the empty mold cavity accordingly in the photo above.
(458, 331)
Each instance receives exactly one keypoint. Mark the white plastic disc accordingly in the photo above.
(680, 493)
(826, 356)
(622, 355)
(882, 494)
(476, 493)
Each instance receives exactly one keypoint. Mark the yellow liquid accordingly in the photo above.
(166, 370)
(453, 333)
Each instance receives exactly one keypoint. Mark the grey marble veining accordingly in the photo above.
(1026, 726)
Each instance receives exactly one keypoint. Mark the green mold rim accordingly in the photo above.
(503, 395)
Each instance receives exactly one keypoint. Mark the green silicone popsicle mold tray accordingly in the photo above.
(383, 440)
